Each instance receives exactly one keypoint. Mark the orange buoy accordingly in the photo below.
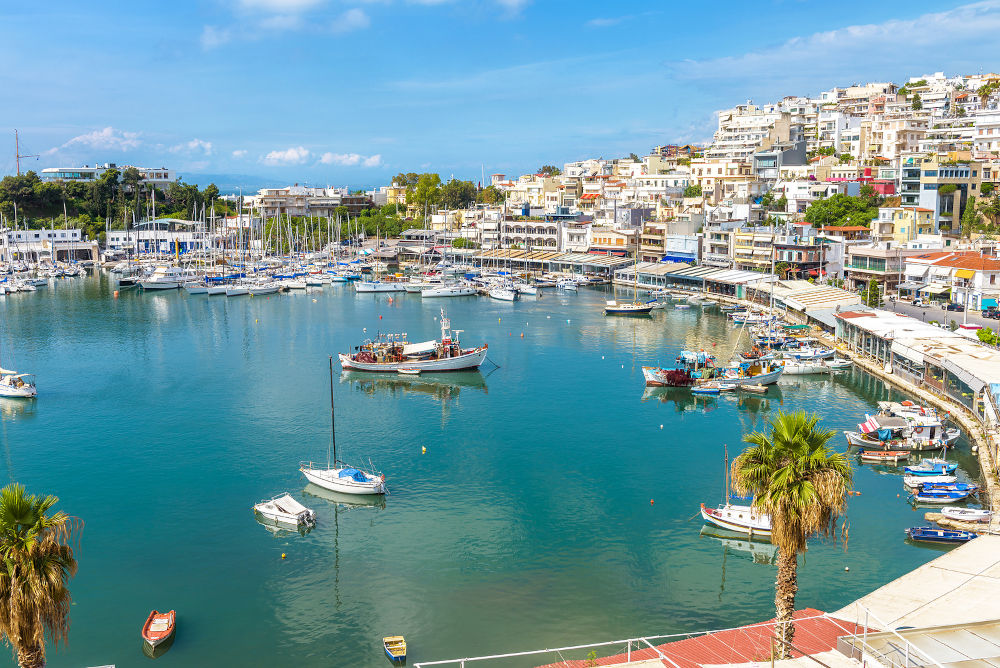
(650, 502)
(116, 294)
(522, 335)
(380, 317)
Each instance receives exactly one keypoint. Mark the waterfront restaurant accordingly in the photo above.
(517, 259)
(680, 275)
(927, 356)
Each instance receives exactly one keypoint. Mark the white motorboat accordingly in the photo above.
(216, 289)
(839, 364)
(195, 288)
(810, 353)
(917, 481)
(17, 385)
(283, 509)
(567, 285)
(294, 283)
(268, 288)
(804, 367)
(526, 289)
(237, 290)
(968, 514)
(902, 433)
(166, 278)
(337, 476)
(448, 291)
(503, 293)
(379, 286)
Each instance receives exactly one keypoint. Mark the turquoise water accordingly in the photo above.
(163, 417)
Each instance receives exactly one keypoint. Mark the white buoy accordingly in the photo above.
(847, 568)
(661, 426)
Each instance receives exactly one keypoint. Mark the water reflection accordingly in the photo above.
(760, 551)
(441, 387)
(11, 409)
(346, 501)
(682, 398)
(279, 529)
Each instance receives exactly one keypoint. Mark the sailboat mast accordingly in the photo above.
(333, 431)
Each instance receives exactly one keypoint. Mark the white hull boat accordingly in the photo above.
(503, 294)
(447, 291)
(237, 290)
(467, 360)
(196, 289)
(344, 479)
(378, 286)
(768, 378)
(264, 289)
(737, 518)
(968, 514)
(917, 481)
(216, 290)
(283, 509)
(525, 289)
(15, 385)
(613, 307)
(804, 368)
(567, 285)
(294, 284)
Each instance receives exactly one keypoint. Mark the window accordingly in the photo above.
(930, 172)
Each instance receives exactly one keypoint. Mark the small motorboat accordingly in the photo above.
(159, 627)
(893, 456)
(917, 481)
(967, 514)
(932, 535)
(408, 371)
(839, 364)
(283, 509)
(938, 496)
(969, 487)
(756, 389)
(932, 466)
(708, 388)
(395, 648)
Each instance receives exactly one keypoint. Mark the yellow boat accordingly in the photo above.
(395, 648)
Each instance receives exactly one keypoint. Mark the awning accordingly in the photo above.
(986, 303)
(964, 273)
(935, 289)
(678, 258)
(911, 286)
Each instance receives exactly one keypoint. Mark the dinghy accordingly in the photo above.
(932, 466)
(932, 535)
(917, 481)
(159, 627)
(395, 648)
(937, 496)
(893, 456)
(283, 509)
(967, 514)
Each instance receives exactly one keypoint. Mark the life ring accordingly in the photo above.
(918, 430)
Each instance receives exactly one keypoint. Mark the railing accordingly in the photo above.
(623, 647)
(901, 653)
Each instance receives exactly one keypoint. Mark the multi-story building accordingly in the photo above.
(753, 249)
(883, 262)
(803, 254)
(746, 128)
(52, 244)
(158, 176)
(964, 277)
(946, 187)
(901, 224)
(611, 241)
(306, 201)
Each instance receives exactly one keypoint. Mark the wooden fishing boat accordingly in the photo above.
(967, 514)
(395, 648)
(893, 456)
(159, 627)
(932, 535)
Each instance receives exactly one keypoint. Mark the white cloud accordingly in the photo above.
(513, 5)
(352, 19)
(290, 156)
(351, 159)
(280, 6)
(193, 146)
(107, 139)
(239, 154)
(281, 22)
(212, 37)
(850, 53)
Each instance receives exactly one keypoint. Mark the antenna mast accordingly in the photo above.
(17, 153)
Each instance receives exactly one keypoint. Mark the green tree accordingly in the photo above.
(767, 200)
(970, 218)
(872, 294)
(38, 562)
(693, 190)
(801, 485)
(458, 194)
(426, 193)
(549, 170)
(492, 195)
(917, 104)
(843, 209)
(781, 204)
(210, 193)
(987, 188)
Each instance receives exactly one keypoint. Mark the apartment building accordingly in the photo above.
(746, 128)
(157, 176)
(753, 249)
(901, 224)
(964, 277)
(946, 185)
(883, 262)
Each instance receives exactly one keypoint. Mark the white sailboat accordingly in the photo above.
(337, 476)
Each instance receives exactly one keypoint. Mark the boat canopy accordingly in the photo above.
(7, 372)
(419, 348)
(354, 474)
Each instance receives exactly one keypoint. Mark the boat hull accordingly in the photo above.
(470, 360)
(373, 286)
(932, 535)
(159, 285)
(431, 293)
(26, 392)
(732, 521)
(342, 485)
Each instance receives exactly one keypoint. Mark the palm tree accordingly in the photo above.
(37, 562)
(802, 485)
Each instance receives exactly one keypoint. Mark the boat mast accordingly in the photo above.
(333, 431)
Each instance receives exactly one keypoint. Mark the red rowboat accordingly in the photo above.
(884, 455)
(159, 627)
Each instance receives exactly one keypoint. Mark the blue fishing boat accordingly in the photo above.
(931, 467)
(939, 496)
(933, 535)
(969, 487)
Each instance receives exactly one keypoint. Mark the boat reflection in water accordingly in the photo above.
(760, 550)
(17, 408)
(682, 398)
(346, 501)
(441, 386)
(159, 650)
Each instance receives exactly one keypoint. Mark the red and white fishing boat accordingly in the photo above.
(392, 353)
(893, 456)
(159, 627)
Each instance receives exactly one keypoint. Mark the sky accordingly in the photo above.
(351, 92)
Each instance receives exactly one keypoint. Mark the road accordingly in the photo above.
(937, 313)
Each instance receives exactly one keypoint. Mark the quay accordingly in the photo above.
(943, 614)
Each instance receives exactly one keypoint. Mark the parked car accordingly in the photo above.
(920, 302)
(952, 306)
(991, 312)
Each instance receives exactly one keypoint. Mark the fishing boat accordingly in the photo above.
(933, 535)
(839, 364)
(692, 365)
(968, 514)
(395, 648)
(389, 353)
(931, 466)
(898, 433)
(750, 373)
(894, 456)
(159, 627)
(936, 496)
(810, 353)
(337, 476)
(408, 371)
(283, 509)
(917, 481)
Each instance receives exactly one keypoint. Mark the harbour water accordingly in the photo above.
(555, 504)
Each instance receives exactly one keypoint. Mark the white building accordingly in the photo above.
(42, 245)
(158, 176)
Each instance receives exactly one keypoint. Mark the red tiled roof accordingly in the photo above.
(814, 633)
(847, 315)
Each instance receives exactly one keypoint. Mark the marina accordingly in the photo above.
(482, 502)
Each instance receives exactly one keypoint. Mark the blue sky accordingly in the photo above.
(351, 92)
